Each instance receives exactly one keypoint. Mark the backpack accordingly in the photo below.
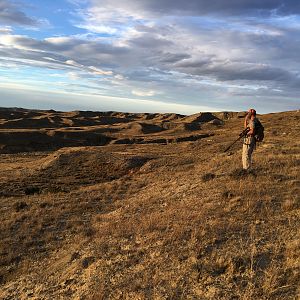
(259, 131)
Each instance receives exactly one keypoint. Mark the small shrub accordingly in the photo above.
(89, 232)
(44, 204)
(31, 190)
(227, 195)
(20, 206)
(75, 255)
(87, 261)
(208, 176)
(242, 173)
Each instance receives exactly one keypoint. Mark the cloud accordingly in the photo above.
(73, 76)
(10, 14)
(26, 51)
(202, 7)
(98, 71)
(73, 63)
(150, 40)
(143, 93)
(119, 77)
(5, 30)
(173, 57)
(231, 71)
(60, 48)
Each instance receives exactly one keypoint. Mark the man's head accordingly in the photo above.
(252, 112)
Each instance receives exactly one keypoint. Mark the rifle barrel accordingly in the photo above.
(242, 134)
(233, 143)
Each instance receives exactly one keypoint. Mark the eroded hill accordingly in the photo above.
(25, 130)
(157, 211)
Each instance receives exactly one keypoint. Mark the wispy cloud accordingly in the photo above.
(11, 14)
(144, 93)
(5, 30)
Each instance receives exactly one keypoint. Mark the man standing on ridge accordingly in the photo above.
(249, 140)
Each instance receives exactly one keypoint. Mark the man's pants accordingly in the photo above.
(248, 147)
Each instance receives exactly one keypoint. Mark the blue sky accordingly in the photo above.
(150, 55)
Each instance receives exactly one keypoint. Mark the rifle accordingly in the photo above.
(242, 134)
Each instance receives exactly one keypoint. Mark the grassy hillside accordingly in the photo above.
(176, 220)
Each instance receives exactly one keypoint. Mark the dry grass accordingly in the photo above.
(184, 223)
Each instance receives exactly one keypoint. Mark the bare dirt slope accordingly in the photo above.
(157, 212)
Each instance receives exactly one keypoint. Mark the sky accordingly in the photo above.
(150, 55)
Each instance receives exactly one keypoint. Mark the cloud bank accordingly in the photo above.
(217, 53)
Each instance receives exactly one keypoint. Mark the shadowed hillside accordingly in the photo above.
(147, 206)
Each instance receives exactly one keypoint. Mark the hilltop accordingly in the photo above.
(110, 205)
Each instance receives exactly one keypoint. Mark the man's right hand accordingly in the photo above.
(245, 131)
